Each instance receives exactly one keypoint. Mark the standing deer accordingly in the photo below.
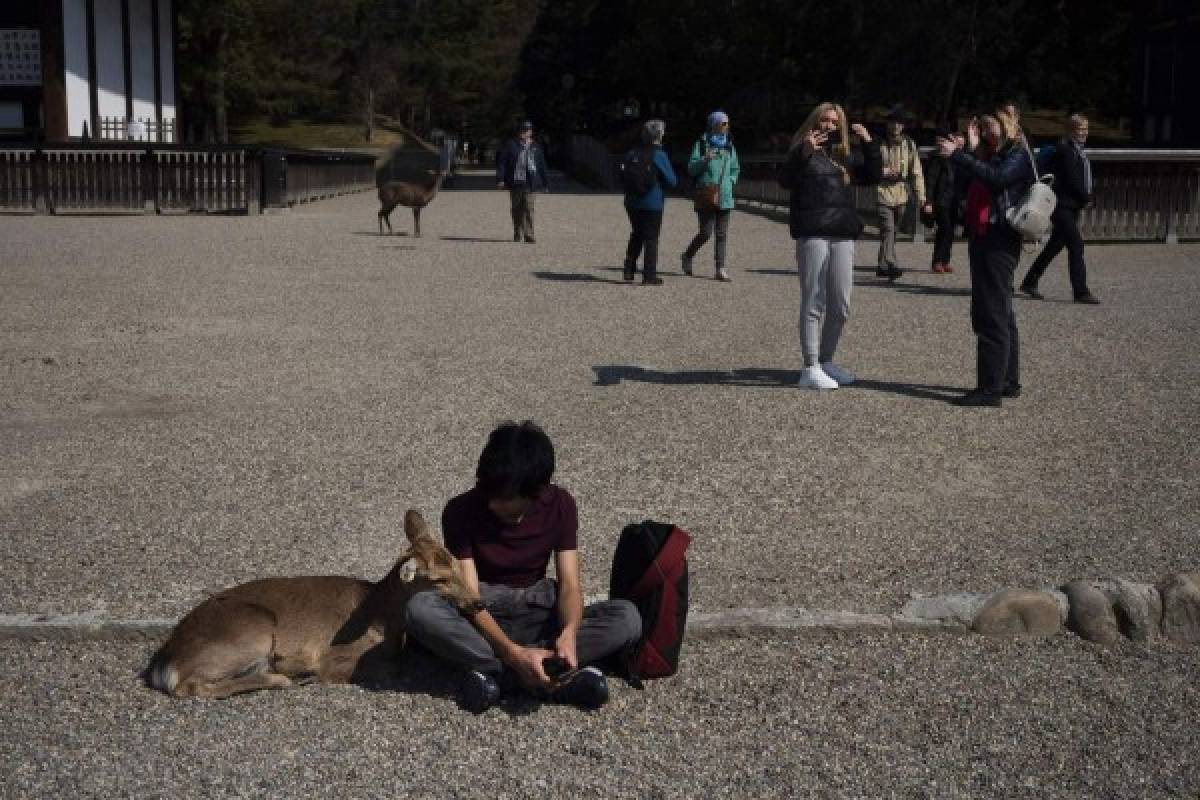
(409, 194)
(280, 632)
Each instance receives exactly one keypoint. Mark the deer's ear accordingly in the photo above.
(414, 525)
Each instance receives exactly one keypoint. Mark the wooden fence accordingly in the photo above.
(1141, 195)
(156, 179)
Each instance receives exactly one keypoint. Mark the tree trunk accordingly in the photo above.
(946, 113)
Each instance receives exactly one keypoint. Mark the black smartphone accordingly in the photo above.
(834, 138)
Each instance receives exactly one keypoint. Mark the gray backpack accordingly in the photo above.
(1030, 217)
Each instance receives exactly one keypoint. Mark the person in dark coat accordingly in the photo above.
(646, 210)
(943, 206)
(1000, 172)
(821, 169)
(521, 168)
(1073, 187)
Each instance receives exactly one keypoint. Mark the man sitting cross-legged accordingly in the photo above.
(503, 532)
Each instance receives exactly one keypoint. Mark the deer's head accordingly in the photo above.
(426, 565)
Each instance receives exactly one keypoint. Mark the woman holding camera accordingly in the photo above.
(822, 166)
(714, 167)
(999, 172)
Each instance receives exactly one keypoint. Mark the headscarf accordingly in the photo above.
(713, 135)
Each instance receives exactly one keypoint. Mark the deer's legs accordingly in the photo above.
(384, 216)
(339, 663)
(417, 222)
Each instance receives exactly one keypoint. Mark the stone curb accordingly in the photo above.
(730, 622)
(1103, 611)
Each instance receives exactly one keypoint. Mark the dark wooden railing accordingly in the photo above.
(120, 177)
(1141, 195)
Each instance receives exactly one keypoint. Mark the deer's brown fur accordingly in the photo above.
(280, 632)
(409, 194)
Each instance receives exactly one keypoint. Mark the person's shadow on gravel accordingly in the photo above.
(574, 277)
(613, 374)
(417, 671)
(921, 391)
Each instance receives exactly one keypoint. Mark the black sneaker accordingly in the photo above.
(628, 272)
(1012, 391)
(478, 692)
(977, 398)
(1088, 299)
(585, 688)
(1032, 291)
(652, 280)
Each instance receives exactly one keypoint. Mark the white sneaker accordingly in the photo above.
(843, 376)
(815, 378)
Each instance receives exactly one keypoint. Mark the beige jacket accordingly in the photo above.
(902, 155)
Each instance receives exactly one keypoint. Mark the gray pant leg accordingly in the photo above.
(516, 209)
(839, 282)
(528, 617)
(608, 627)
(705, 221)
(889, 217)
(812, 260)
(722, 233)
(528, 218)
(434, 622)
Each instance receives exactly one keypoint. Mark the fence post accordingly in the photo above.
(149, 183)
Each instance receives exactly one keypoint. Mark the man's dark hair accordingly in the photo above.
(518, 460)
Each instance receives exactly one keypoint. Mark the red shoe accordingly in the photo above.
(936, 268)
(947, 268)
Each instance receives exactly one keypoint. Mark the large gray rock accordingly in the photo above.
(1013, 611)
(1105, 611)
(949, 609)
(1181, 607)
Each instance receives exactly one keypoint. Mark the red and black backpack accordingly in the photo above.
(649, 569)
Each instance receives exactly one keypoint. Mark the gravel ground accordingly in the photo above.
(830, 715)
(191, 402)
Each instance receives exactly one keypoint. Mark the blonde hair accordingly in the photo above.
(841, 151)
(1008, 126)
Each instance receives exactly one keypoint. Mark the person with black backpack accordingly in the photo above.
(644, 170)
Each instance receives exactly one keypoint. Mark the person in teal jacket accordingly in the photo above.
(646, 210)
(714, 161)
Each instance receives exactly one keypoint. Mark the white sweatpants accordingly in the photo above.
(826, 268)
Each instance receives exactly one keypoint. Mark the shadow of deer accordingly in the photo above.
(410, 194)
(276, 633)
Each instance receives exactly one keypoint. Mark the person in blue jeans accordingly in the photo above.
(646, 211)
(503, 532)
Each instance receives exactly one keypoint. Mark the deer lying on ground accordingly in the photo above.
(410, 195)
(280, 632)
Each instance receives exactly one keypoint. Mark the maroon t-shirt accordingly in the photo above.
(505, 555)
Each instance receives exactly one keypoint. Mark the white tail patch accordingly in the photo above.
(164, 677)
(408, 570)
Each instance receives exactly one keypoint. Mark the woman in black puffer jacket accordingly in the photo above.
(822, 167)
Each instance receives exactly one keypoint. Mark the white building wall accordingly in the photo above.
(75, 64)
(166, 55)
(141, 54)
(110, 59)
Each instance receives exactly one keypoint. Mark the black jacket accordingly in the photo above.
(1007, 175)
(822, 203)
(1069, 185)
(506, 166)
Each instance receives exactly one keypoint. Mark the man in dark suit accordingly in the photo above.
(1073, 186)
